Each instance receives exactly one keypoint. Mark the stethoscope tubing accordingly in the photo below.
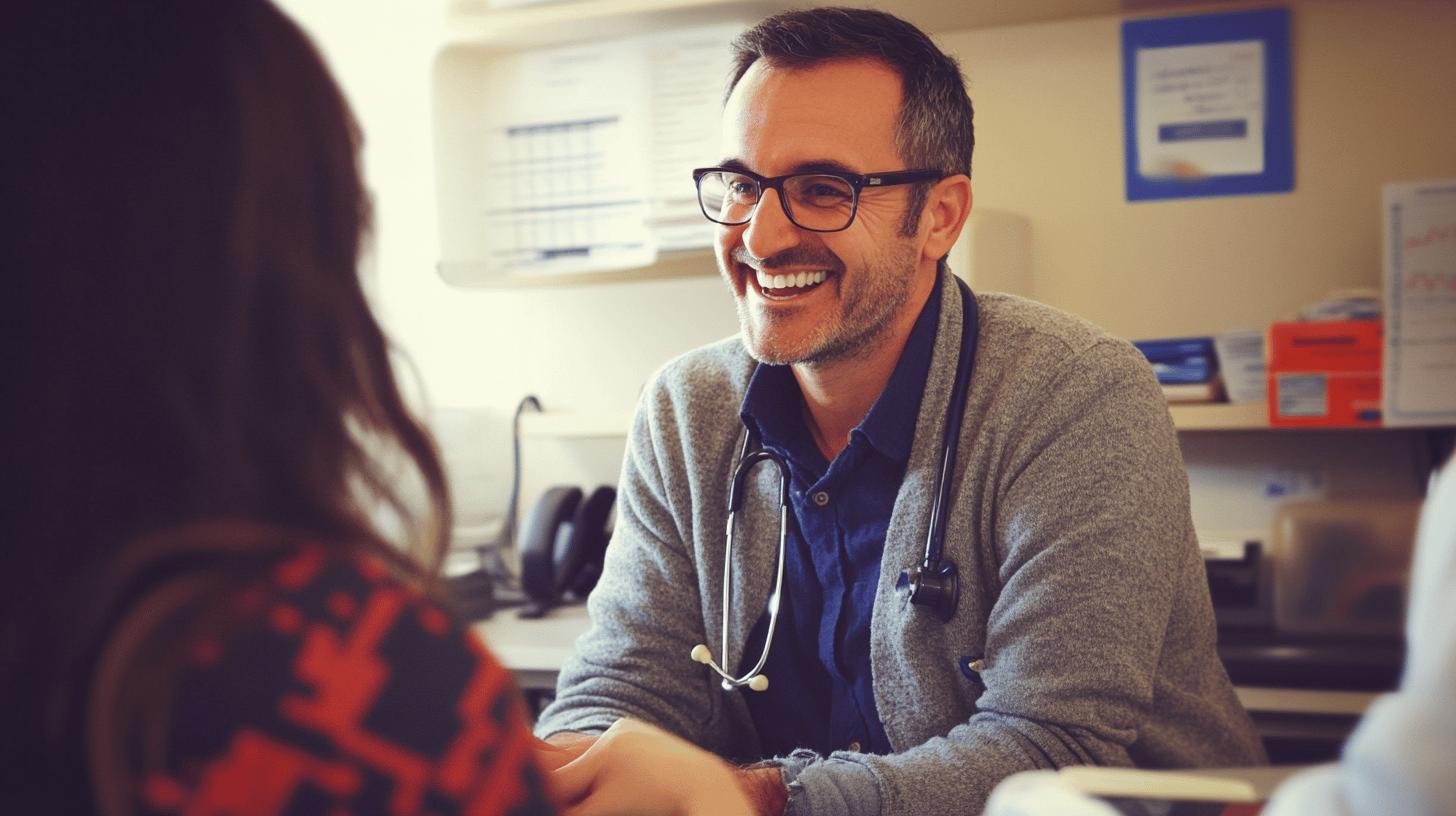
(936, 572)
(950, 438)
(746, 462)
(730, 682)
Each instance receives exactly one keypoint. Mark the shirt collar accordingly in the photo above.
(890, 424)
(772, 405)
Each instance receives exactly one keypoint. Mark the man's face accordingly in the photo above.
(837, 116)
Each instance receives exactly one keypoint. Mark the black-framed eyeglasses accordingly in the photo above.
(818, 202)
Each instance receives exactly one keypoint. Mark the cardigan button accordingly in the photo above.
(854, 746)
(821, 498)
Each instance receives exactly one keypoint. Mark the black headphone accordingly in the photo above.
(563, 547)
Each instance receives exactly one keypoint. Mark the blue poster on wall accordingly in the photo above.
(1206, 105)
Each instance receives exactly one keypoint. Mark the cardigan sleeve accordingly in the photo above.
(645, 610)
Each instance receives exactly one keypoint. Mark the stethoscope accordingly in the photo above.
(934, 583)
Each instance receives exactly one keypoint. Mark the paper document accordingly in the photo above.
(591, 168)
(1200, 110)
(689, 71)
(566, 187)
(1420, 290)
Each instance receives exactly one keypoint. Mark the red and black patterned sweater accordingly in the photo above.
(336, 689)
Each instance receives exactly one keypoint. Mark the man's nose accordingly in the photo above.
(770, 232)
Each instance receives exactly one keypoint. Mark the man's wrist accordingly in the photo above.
(765, 789)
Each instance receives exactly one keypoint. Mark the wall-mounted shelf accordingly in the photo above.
(1244, 416)
(1186, 417)
(1220, 416)
(477, 275)
(477, 23)
(474, 23)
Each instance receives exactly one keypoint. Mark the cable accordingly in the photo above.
(508, 533)
(492, 554)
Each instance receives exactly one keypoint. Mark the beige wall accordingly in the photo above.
(1374, 91)
(1374, 101)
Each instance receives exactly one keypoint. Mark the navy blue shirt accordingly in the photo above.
(821, 693)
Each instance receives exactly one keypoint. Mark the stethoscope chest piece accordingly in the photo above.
(938, 587)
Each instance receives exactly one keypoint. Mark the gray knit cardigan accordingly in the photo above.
(1082, 588)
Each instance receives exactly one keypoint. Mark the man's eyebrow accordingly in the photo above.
(816, 166)
(825, 166)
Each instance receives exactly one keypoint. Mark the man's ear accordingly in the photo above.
(946, 209)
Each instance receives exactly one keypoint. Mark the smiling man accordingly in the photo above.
(982, 559)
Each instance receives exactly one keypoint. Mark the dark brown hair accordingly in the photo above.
(197, 381)
(935, 130)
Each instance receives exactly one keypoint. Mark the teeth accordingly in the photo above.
(798, 280)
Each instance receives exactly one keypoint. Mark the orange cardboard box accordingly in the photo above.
(1325, 374)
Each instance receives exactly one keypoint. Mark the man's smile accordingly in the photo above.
(786, 284)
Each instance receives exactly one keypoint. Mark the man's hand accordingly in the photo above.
(635, 769)
(561, 748)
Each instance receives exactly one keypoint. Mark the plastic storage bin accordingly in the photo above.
(1342, 567)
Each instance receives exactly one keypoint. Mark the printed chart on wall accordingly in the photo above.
(1420, 294)
(569, 195)
(594, 161)
(688, 69)
(1206, 105)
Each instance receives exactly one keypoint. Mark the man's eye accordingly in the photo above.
(826, 191)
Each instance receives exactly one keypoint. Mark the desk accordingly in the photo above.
(1263, 779)
(534, 651)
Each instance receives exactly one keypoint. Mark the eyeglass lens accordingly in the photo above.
(814, 202)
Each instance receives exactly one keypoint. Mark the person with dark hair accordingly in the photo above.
(973, 554)
(199, 611)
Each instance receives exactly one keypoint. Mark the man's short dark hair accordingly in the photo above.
(935, 130)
